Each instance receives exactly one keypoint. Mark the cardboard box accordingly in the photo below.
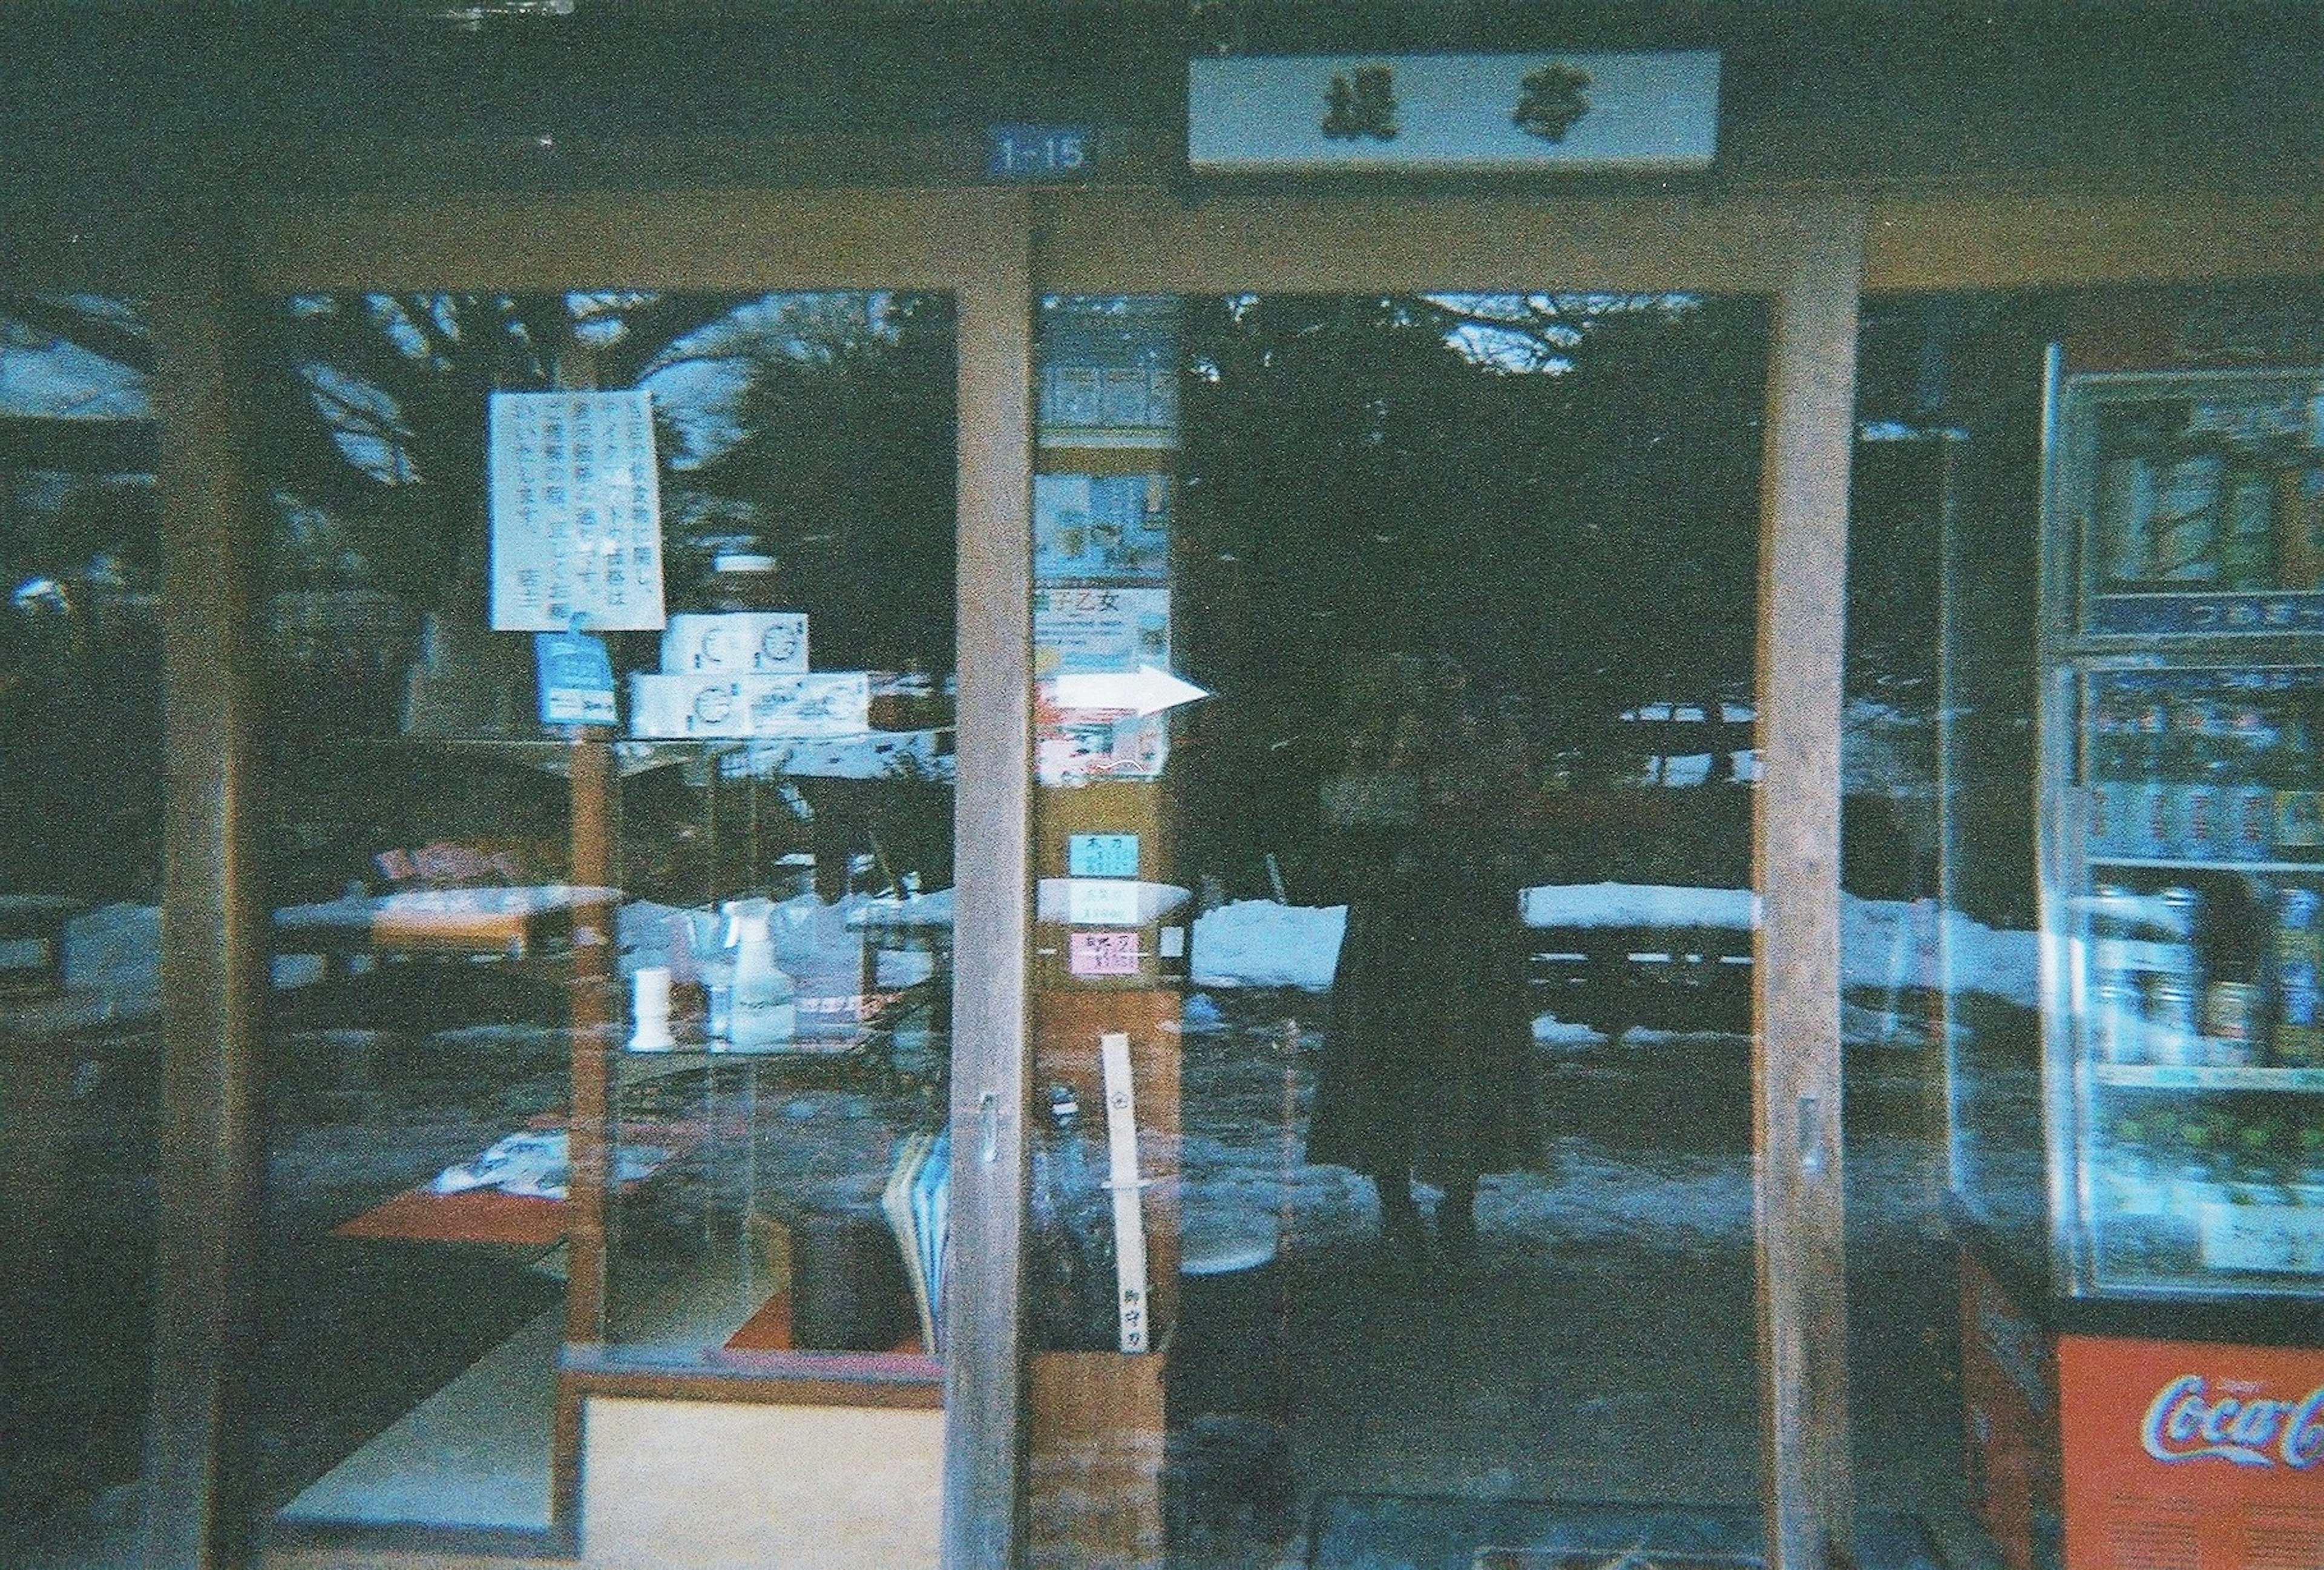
(833, 702)
(735, 643)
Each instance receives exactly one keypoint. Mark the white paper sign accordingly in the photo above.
(1122, 1165)
(1453, 112)
(1102, 903)
(576, 512)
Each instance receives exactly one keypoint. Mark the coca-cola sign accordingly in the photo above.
(2188, 1452)
(2186, 1421)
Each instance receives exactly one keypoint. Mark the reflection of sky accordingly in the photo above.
(45, 378)
(1531, 332)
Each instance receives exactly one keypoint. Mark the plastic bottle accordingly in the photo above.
(765, 1003)
(1056, 1272)
(650, 988)
(742, 580)
(716, 967)
(1073, 1294)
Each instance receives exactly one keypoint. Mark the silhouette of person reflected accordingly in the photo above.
(1424, 1072)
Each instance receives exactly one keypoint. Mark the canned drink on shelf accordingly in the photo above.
(2297, 907)
(2251, 823)
(2197, 820)
(2186, 522)
(2299, 1030)
(2170, 1033)
(2231, 1023)
(2150, 823)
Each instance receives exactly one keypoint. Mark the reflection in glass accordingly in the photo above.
(80, 873)
(634, 1034)
(1452, 596)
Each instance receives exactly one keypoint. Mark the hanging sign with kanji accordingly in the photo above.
(1654, 111)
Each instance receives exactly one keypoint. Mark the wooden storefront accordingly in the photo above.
(1857, 158)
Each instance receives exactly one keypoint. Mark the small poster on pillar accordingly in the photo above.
(576, 513)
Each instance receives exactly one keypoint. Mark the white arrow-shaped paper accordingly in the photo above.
(1145, 690)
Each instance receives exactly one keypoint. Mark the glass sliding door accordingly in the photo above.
(1392, 1192)
(609, 746)
(80, 875)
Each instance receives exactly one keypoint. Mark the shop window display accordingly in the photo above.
(608, 695)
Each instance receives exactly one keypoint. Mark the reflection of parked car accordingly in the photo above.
(1616, 955)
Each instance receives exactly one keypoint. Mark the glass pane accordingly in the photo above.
(81, 884)
(1939, 1018)
(610, 680)
(1393, 836)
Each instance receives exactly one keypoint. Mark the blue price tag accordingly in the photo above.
(577, 679)
(1038, 152)
(1101, 855)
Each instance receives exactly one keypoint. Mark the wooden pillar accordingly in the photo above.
(596, 1012)
(982, 1394)
(1796, 1067)
(213, 942)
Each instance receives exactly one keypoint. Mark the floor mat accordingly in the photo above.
(1372, 1531)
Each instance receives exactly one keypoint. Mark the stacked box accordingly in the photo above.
(735, 643)
(669, 706)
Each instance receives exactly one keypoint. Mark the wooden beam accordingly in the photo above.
(210, 1153)
(733, 241)
(1797, 1064)
(983, 1378)
(1146, 241)
(1971, 239)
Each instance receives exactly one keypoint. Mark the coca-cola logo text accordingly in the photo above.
(2186, 1423)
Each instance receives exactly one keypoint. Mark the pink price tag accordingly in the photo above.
(1104, 954)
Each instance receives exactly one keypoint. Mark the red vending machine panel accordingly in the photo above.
(2189, 1456)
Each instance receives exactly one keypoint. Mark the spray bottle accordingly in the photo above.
(765, 1003)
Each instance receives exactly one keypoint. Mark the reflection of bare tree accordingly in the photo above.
(1560, 491)
(819, 426)
(373, 415)
(79, 628)
(843, 450)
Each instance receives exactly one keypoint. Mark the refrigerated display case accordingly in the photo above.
(2143, 1367)
(2184, 855)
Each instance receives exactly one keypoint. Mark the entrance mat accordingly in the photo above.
(1378, 1531)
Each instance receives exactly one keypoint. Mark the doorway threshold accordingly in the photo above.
(474, 1457)
(1375, 1531)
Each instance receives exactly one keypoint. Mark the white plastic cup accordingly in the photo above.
(650, 1002)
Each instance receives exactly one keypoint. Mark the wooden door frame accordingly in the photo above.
(1806, 255)
(967, 244)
